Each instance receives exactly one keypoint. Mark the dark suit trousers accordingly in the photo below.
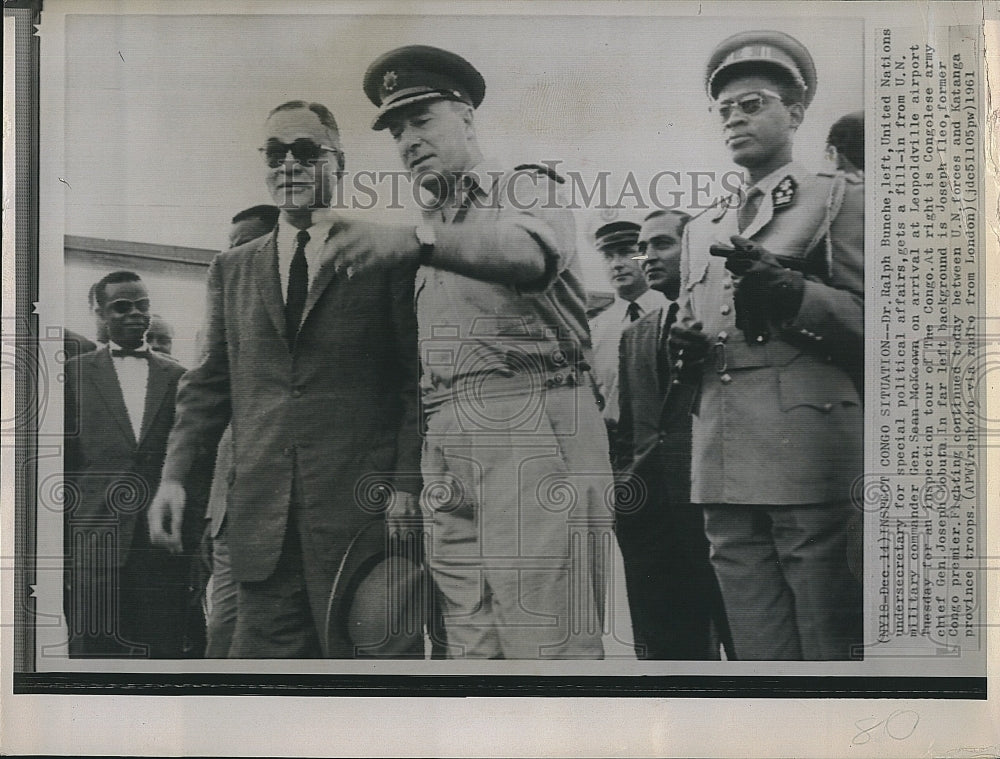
(137, 610)
(673, 595)
(284, 616)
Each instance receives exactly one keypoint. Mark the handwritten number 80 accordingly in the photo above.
(899, 726)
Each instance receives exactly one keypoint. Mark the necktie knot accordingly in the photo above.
(632, 310)
(301, 239)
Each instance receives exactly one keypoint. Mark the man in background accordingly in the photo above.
(616, 243)
(673, 595)
(125, 596)
(160, 335)
(251, 223)
(845, 144)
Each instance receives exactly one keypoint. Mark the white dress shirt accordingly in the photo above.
(133, 375)
(606, 331)
(315, 254)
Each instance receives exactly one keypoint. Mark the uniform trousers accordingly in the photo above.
(518, 500)
(785, 581)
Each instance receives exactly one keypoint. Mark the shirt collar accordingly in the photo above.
(649, 300)
(111, 345)
(322, 220)
(768, 183)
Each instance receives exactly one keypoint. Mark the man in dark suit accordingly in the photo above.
(247, 225)
(673, 596)
(316, 369)
(124, 597)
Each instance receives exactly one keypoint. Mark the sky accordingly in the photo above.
(163, 113)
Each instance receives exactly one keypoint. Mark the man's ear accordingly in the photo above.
(796, 114)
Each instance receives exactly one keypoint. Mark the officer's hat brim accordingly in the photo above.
(420, 74)
(761, 52)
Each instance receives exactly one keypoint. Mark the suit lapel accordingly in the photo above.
(319, 284)
(110, 390)
(265, 266)
(156, 389)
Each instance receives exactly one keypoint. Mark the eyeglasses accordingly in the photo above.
(124, 306)
(303, 150)
(748, 104)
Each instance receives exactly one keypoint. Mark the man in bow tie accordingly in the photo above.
(673, 595)
(124, 596)
(317, 373)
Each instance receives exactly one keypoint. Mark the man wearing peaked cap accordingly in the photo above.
(420, 74)
(775, 333)
(616, 242)
(512, 422)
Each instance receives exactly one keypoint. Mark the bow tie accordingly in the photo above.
(133, 352)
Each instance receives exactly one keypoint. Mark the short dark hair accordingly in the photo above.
(682, 216)
(114, 278)
(847, 135)
(791, 92)
(325, 118)
(267, 214)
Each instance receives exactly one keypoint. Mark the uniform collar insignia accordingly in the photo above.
(389, 81)
(784, 192)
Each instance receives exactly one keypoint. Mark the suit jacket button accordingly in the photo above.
(726, 308)
(828, 407)
(296, 393)
(289, 450)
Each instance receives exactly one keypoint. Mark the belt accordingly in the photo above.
(486, 385)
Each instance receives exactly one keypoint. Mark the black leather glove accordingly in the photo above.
(766, 291)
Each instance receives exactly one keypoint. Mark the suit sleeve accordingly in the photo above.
(203, 400)
(533, 226)
(408, 437)
(622, 443)
(832, 315)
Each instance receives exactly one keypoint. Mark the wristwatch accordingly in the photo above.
(427, 239)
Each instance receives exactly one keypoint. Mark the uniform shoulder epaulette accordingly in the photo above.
(546, 170)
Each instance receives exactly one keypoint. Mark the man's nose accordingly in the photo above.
(736, 116)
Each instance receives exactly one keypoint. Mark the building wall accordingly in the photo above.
(175, 278)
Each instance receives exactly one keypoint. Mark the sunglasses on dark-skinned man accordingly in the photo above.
(303, 150)
(749, 104)
(124, 306)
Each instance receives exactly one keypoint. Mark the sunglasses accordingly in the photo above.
(124, 306)
(748, 104)
(303, 150)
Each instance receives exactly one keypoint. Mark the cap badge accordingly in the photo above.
(784, 193)
(390, 81)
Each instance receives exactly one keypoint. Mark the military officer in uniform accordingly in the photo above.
(515, 460)
(777, 330)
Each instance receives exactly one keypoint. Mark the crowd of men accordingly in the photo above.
(408, 441)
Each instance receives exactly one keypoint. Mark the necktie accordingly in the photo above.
(632, 311)
(748, 210)
(133, 352)
(298, 287)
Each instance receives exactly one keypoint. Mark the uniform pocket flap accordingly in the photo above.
(807, 381)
